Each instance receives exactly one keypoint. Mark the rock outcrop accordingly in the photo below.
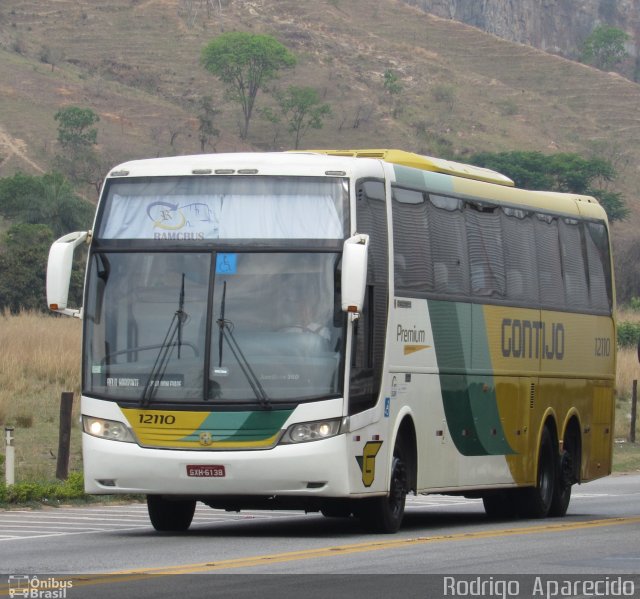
(557, 26)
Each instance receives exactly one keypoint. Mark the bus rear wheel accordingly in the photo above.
(384, 514)
(562, 491)
(168, 515)
(536, 501)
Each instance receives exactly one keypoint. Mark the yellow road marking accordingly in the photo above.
(333, 551)
(339, 550)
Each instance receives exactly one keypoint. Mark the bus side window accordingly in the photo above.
(573, 263)
(441, 276)
(369, 342)
(486, 253)
(550, 275)
(413, 270)
(515, 284)
(599, 262)
(520, 258)
(448, 240)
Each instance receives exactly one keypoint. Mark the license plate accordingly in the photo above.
(206, 471)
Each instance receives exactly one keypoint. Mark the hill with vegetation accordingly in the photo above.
(557, 26)
(458, 90)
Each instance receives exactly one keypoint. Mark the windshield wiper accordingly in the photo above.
(225, 328)
(166, 347)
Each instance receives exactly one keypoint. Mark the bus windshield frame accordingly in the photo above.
(261, 316)
(224, 208)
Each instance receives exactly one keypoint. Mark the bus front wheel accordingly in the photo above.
(168, 515)
(384, 514)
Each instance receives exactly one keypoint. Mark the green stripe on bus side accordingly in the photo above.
(470, 403)
(482, 390)
(241, 426)
(450, 353)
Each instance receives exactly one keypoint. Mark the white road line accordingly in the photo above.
(62, 521)
(63, 516)
(61, 534)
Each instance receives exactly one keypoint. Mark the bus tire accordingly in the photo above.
(501, 504)
(562, 491)
(536, 501)
(384, 514)
(170, 515)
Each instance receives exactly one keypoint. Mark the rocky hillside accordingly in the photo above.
(558, 26)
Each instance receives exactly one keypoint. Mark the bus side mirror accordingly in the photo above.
(59, 271)
(354, 272)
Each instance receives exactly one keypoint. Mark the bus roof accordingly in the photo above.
(501, 189)
(427, 163)
(239, 163)
(469, 180)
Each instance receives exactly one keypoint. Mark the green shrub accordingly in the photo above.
(628, 334)
(25, 492)
(72, 488)
(634, 304)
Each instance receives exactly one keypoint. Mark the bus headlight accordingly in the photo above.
(107, 429)
(311, 431)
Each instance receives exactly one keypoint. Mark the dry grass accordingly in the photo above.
(628, 370)
(39, 358)
(626, 314)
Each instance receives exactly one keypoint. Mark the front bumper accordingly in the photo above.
(313, 469)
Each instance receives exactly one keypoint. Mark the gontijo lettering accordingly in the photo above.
(532, 339)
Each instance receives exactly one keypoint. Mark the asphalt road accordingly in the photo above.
(446, 546)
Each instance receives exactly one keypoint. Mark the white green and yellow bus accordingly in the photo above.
(332, 330)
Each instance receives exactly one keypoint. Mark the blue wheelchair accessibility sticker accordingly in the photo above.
(226, 264)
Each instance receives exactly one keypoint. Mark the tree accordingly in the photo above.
(605, 47)
(303, 109)
(60, 208)
(51, 56)
(564, 172)
(48, 200)
(206, 130)
(392, 83)
(23, 267)
(77, 136)
(245, 62)
(75, 127)
(17, 194)
(41, 209)
(393, 87)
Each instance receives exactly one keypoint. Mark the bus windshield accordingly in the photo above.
(224, 207)
(268, 332)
